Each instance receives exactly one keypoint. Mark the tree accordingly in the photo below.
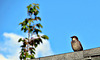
(32, 27)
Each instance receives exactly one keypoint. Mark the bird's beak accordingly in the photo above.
(71, 37)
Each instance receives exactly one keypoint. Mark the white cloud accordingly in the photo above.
(12, 38)
(43, 49)
(2, 57)
(12, 48)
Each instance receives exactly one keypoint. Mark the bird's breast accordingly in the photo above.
(76, 46)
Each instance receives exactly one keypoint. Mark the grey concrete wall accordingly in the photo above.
(90, 54)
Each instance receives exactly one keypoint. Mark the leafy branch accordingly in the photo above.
(32, 28)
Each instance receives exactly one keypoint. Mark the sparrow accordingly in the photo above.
(75, 43)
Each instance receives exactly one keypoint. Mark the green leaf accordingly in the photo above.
(20, 40)
(36, 13)
(37, 30)
(29, 7)
(38, 35)
(26, 21)
(35, 45)
(20, 57)
(32, 56)
(39, 25)
(37, 7)
(33, 10)
(24, 27)
(37, 4)
(21, 28)
(37, 40)
(30, 26)
(26, 38)
(22, 45)
(29, 21)
(24, 57)
(39, 18)
(45, 37)
(33, 48)
(20, 23)
(34, 4)
(22, 54)
(34, 7)
(26, 54)
(33, 51)
(29, 56)
(40, 40)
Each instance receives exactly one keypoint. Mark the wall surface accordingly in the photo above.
(90, 54)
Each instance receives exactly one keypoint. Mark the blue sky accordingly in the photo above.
(61, 19)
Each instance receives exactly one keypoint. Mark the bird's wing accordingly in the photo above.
(72, 45)
(81, 45)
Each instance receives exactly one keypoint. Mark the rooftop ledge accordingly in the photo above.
(90, 54)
